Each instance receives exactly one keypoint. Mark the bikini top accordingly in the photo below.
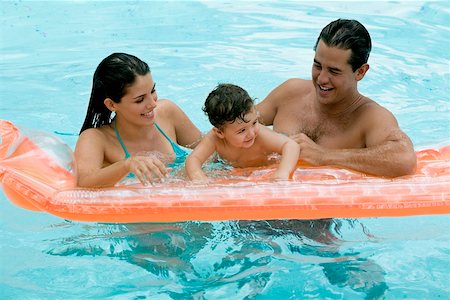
(180, 153)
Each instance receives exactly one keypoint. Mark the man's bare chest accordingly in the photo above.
(328, 133)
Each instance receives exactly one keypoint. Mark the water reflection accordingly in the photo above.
(236, 257)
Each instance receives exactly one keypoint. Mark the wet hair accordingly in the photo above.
(348, 34)
(226, 103)
(111, 78)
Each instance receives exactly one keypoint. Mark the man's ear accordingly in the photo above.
(218, 132)
(110, 104)
(361, 72)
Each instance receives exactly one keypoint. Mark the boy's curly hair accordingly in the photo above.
(226, 103)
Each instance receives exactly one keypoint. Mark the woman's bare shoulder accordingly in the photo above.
(167, 109)
(97, 136)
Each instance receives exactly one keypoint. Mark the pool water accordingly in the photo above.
(48, 53)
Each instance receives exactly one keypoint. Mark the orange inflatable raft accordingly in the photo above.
(37, 173)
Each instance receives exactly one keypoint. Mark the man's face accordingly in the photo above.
(332, 75)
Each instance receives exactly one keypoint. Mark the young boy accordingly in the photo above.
(238, 138)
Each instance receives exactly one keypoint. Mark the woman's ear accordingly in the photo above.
(218, 132)
(361, 72)
(110, 104)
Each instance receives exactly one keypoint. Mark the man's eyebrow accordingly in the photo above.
(335, 69)
(330, 68)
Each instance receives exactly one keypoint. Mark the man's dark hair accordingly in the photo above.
(348, 34)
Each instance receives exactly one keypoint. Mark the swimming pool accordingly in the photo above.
(48, 53)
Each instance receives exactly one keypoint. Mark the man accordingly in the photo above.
(333, 123)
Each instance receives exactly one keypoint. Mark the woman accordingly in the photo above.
(110, 146)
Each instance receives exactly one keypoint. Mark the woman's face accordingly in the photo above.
(139, 102)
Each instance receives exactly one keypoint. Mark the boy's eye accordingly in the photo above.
(241, 131)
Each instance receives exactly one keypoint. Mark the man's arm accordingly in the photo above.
(267, 109)
(388, 152)
(394, 157)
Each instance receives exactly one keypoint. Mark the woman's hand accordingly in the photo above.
(146, 168)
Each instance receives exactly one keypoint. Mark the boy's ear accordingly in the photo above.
(218, 132)
(110, 104)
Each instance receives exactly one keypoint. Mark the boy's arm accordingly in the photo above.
(286, 147)
(197, 158)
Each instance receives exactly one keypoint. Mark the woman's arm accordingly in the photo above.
(90, 156)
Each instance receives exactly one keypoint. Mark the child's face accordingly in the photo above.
(242, 134)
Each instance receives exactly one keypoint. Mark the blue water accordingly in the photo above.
(48, 53)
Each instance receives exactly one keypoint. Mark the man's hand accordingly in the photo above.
(310, 152)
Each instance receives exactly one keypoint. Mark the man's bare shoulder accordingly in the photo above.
(296, 86)
(371, 117)
(371, 110)
(284, 98)
(291, 92)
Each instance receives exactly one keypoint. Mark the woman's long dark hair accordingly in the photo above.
(111, 78)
